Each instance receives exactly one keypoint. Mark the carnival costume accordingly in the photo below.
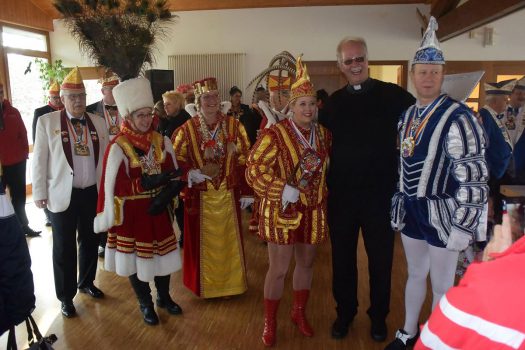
(139, 165)
(212, 221)
(442, 191)
(288, 155)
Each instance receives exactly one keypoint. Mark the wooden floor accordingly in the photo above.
(115, 322)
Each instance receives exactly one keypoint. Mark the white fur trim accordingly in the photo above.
(125, 264)
(191, 108)
(105, 220)
(225, 107)
(132, 95)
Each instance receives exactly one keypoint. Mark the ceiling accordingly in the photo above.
(185, 5)
(455, 16)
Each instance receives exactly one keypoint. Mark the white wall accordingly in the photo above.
(392, 33)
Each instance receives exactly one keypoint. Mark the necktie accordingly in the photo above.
(513, 111)
(75, 121)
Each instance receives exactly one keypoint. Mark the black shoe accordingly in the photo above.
(340, 328)
(378, 331)
(149, 314)
(172, 307)
(402, 341)
(93, 291)
(30, 232)
(68, 309)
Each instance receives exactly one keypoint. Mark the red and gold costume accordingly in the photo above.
(272, 164)
(137, 242)
(214, 263)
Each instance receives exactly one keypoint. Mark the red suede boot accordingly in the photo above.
(300, 297)
(270, 323)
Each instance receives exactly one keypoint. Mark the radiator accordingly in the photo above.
(228, 68)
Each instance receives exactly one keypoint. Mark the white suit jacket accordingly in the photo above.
(52, 169)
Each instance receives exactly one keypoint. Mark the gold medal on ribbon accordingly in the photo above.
(211, 169)
(113, 130)
(407, 147)
(81, 150)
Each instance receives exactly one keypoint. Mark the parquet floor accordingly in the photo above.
(115, 322)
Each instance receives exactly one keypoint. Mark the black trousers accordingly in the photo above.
(143, 290)
(368, 211)
(78, 217)
(14, 178)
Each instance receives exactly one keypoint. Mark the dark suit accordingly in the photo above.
(361, 181)
(38, 113)
(96, 108)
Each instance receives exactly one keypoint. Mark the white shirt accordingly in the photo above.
(84, 170)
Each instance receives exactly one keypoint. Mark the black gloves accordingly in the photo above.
(149, 182)
(164, 198)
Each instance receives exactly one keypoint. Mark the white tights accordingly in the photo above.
(422, 258)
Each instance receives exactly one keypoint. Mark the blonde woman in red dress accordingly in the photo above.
(287, 168)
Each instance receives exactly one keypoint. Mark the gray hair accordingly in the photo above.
(350, 39)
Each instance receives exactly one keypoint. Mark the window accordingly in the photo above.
(23, 39)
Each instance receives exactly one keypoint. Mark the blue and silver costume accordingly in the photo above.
(443, 172)
(499, 150)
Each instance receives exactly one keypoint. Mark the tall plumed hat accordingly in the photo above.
(278, 75)
(54, 89)
(429, 51)
(120, 36)
(520, 84)
(73, 81)
(501, 88)
(302, 85)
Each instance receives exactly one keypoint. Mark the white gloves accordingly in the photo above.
(246, 202)
(196, 177)
(290, 195)
(458, 241)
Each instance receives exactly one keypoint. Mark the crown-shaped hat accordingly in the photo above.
(501, 88)
(109, 80)
(429, 51)
(205, 85)
(302, 85)
(520, 84)
(73, 81)
(54, 88)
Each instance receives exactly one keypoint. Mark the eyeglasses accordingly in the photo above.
(358, 59)
(76, 96)
(143, 115)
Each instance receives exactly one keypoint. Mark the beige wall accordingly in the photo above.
(392, 32)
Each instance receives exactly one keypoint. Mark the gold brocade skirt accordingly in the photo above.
(222, 268)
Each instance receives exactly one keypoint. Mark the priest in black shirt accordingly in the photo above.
(362, 117)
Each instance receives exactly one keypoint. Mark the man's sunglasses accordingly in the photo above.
(358, 59)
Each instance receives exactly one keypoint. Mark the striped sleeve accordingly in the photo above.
(260, 173)
(465, 146)
(450, 327)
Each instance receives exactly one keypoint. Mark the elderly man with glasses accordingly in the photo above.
(362, 117)
(67, 165)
